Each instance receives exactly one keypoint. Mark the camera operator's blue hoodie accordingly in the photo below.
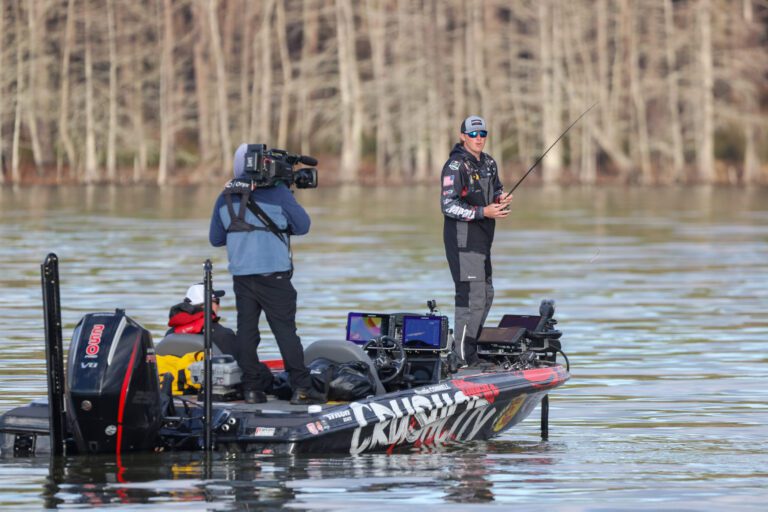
(258, 251)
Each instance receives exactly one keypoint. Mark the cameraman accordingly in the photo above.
(261, 267)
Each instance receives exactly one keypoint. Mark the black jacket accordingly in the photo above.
(468, 185)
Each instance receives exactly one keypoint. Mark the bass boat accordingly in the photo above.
(421, 394)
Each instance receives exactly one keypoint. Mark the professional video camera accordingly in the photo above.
(268, 166)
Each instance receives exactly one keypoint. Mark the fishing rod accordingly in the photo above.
(547, 151)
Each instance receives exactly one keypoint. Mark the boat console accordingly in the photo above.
(407, 349)
(518, 339)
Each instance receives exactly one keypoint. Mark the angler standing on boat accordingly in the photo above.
(471, 201)
(257, 238)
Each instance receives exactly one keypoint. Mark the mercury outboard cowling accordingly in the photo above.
(113, 399)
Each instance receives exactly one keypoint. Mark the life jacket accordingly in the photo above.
(178, 367)
(184, 318)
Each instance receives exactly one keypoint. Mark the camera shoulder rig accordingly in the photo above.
(238, 224)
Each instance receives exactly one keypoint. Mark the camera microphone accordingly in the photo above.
(307, 160)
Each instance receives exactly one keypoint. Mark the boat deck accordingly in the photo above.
(274, 405)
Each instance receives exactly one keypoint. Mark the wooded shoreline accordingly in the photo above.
(162, 91)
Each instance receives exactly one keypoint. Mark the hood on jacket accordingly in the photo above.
(459, 152)
(184, 307)
(239, 161)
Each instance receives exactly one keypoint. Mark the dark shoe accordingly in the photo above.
(253, 396)
(479, 364)
(308, 396)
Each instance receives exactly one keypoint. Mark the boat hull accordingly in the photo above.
(470, 406)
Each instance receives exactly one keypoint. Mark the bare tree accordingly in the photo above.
(261, 95)
(112, 123)
(2, 91)
(673, 95)
(310, 20)
(35, 91)
(15, 159)
(203, 95)
(247, 22)
(91, 170)
(377, 23)
(135, 108)
(642, 145)
(166, 93)
(64, 93)
(705, 152)
(349, 92)
(550, 92)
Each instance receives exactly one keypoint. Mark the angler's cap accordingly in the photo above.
(196, 294)
(473, 123)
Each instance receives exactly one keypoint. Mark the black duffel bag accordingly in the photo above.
(343, 382)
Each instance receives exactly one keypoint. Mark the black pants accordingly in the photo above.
(276, 296)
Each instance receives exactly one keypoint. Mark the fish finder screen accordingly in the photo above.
(361, 327)
(528, 321)
(422, 332)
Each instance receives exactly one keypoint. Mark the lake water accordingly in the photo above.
(662, 296)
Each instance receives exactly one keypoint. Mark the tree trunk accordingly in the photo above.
(15, 153)
(2, 91)
(459, 75)
(247, 22)
(91, 169)
(262, 75)
(705, 156)
(638, 99)
(166, 94)
(311, 31)
(377, 22)
(588, 166)
(421, 108)
(610, 91)
(438, 92)
(747, 11)
(112, 123)
(673, 95)
(205, 121)
(550, 115)
(751, 158)
(478, 69)
(135, 111)
(32, 98)
(349, 85)
(66, 140)
(287, 86)
(221, 86)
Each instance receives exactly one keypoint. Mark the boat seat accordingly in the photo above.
(179, 344)
(342, 351)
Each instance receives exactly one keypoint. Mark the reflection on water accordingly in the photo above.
(661, 294)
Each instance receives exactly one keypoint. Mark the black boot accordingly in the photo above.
(308, 396)
(253, 396)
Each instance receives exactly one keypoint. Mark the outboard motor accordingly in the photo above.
(113, 399)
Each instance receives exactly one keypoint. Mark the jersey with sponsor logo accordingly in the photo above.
(468, 185)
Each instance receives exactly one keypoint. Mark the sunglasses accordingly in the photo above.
(215, 300)
(481, 133)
